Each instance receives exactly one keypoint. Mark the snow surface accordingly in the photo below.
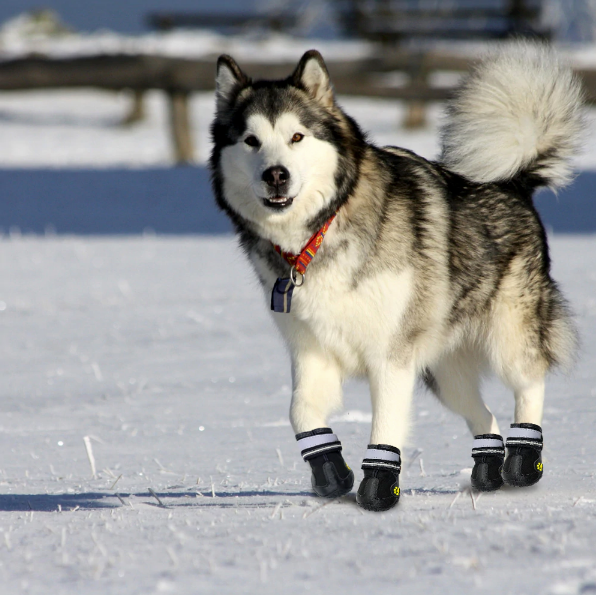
(161, 352)
(18, 40)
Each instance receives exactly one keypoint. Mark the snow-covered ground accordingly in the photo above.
(161, 352)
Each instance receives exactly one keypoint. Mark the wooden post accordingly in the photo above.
(416, 108)
(415, 114)
(137, 109)
(180, 127)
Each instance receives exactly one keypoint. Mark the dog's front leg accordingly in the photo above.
(391, 386)
(317, 392)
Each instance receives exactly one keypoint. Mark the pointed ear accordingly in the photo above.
(228, 81)
(311, 74)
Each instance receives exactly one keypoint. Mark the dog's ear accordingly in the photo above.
(311, 75)
(228, 81)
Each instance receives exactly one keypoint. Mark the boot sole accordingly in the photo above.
(375, 506)
(521, 482)
(487, 487)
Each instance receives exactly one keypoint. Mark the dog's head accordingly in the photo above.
(280, 159)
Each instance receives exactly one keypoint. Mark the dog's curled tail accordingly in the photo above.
(518, 115)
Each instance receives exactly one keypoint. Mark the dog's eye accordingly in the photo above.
(297, 137)
(252, 141)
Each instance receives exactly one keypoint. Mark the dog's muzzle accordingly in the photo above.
(277, 179)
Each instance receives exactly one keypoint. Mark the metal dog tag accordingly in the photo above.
(281, 296)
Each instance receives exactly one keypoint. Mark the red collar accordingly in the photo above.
(302, 260)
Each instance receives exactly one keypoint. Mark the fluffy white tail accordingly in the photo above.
(519, 113)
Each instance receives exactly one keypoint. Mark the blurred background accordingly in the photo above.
(105, 106)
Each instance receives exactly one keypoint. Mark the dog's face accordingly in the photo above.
(280, 161)
(277, 156)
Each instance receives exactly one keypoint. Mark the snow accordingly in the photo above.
(20, 37)
(161, 351)
(154, 358)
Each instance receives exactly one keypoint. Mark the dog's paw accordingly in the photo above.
(331, 477)
(522, 467)
(379, 490)
(486, 474)
(488, 453)
(523, 464)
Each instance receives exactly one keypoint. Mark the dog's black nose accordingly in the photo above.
(276, 176)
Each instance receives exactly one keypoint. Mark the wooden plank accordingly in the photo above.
(157, 72)
(123, 71)
(165, 21)
(107, 72)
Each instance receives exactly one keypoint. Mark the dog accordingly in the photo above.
(381, 264)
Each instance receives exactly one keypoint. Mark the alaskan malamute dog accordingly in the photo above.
(379, 263)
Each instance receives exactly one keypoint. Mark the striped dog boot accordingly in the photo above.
(523, 464)
(488, 453)
(331, 477)
(379, 490)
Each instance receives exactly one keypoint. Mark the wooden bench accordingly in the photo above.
(394, 22)
(405, 24)
(178, 78)
(273, 21)
(416, 25)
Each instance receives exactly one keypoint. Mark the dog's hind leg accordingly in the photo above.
(457, 378)
(529, 331)
(317, 392)
(523, 464)
(529, 402)
(391, 388)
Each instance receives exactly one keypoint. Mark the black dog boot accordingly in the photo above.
(523, 465)
(331, 477)
(488, 452)
(379, 490)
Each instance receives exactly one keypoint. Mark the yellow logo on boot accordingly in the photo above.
(539, 466)
(396, 490)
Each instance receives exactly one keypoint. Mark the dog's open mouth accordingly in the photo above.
(278, 202)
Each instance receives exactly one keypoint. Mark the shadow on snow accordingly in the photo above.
(171, 500)
(103, 500)
(179, 200)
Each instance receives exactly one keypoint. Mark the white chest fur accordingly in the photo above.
(352, 319)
